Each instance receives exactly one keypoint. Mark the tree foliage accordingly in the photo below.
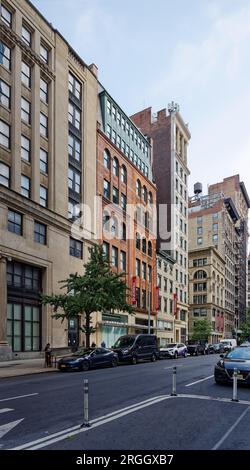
(245, 328)
(202, 329)
(98, 289)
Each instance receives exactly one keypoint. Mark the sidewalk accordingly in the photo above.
(24, 367)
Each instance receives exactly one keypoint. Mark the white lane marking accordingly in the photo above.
(230, 429)
(171, 367)
(7, 427)
(20, 396)
(197, 381)
(4, 410)
(66, 433)
(205, 397)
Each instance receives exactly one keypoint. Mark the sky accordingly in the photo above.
(152, 52)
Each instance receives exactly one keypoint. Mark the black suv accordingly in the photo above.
(134, 348)
(196, 347)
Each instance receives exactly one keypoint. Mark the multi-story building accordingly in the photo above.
(206, 289)
(248, 282)
(128, 196)
(165, 307)
(235, 189)
(213, 221)
(170, 141)
(48, 104)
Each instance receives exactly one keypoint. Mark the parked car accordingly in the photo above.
(174, 350)
(196, 347)
(229, 344)
(134, 348)
(85, 359)
(238, 358)
(216, 348)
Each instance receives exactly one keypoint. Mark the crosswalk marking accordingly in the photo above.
(7, 427)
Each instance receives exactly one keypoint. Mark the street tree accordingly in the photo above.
(202, 329)
(245, 328)
(98, 289)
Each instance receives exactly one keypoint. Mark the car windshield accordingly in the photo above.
(124, 342)
(82, 352)
(171, 345)
(239, 353)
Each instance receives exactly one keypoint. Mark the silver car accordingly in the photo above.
(174, 350)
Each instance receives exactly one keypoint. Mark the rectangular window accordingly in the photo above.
(123, 201)
(113, 136)
(74, 148)
(73, 209)
(25, 186)
(40, 233)
(4, 175)
(199, 220)
(113, 113)
(4, 134)
(6, 16)
(43, 196)
(144, 270)
(43, 161)
(108, 131)
(105, 249)
(123, 146)
(118, 117)
(115, 195)
(74, 116)
(25, 110)
(5, 56)
(25, 148)
(74, 86)
(199, 241)
(4, 94)
(118, 141)
(44, 90)
(15, 222)
(144, 299)
(215, 237)
(122, 261)
(106, 189)
(215, 227)
(23, 327)
(74, 180)
(75, 248)
(43, 125)
(137, 267)
(123, 123)
(215, 215)
(26, 74)
(108, 107)
(199, 230)
(44, 54)
(26, 36)
(114, 260)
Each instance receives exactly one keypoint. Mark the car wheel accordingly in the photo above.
(185, 354)
(85, 366)
(134, 360)
(204, 352)
(114, 362)
(176, 355)
(153, 358)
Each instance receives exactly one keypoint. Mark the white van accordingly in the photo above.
(229, 343)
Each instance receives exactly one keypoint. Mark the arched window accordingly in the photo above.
(138, 188)
(114, 227)
(200, 274)
(124, 231)
(150, 198)
(115, 167)
(144, 245)
(106, 221)
(106, 159)
(145, 194)
(124, 174)
(138, 241)
(149, 248)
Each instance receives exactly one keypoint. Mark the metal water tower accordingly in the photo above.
(197, 190)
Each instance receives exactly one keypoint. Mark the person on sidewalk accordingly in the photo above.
(48, 354)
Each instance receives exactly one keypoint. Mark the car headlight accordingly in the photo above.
(125, 351)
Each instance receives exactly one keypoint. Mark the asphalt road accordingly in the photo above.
(130, 407)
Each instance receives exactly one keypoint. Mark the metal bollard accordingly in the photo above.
(174, 394)
(85, 423)
(235, 397)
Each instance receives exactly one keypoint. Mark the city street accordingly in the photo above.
(130, 407)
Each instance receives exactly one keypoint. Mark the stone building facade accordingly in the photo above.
(166, 324)
(47, 143)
